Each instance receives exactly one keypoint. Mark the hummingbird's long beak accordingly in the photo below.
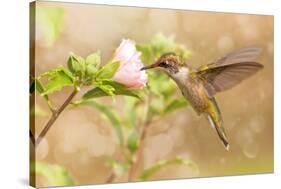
(148, 67)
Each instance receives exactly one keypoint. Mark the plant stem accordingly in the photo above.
(143, 133)
(110, 178)
(55, 115)
(119, 157)
(138, 154)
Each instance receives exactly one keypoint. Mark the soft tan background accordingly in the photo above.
(80, 139)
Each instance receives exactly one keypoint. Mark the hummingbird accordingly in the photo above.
(200, 85)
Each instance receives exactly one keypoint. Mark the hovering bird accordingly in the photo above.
(200, 85)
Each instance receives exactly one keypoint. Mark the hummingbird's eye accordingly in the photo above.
(163, 64)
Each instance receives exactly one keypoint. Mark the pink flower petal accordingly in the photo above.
(129, 72)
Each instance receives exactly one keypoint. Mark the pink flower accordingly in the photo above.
(129, 73)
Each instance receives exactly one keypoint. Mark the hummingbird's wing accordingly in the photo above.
(229, 70)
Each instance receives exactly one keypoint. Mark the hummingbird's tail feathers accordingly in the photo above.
(220, 130)
(215, 119)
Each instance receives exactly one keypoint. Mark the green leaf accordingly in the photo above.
(108, 71)
(50, 20)
(183, 52)
(111, 116)
(163, 163)
(38, 111)
(36, 84)
(162, 44)
(157, 79)
(156, 105)
(32, 87)
(57, 79)
(55, 174)
(108, 89)
(76, 65)
(100, 91)
(159, 45)
(41, 89)
(176, 104)
(39, 86)
(146, 53)
(94, 93)
(120, 89)
(133, 141)
(118, 168)
(131, 113)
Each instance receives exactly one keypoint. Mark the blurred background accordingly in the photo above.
(80, 139)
